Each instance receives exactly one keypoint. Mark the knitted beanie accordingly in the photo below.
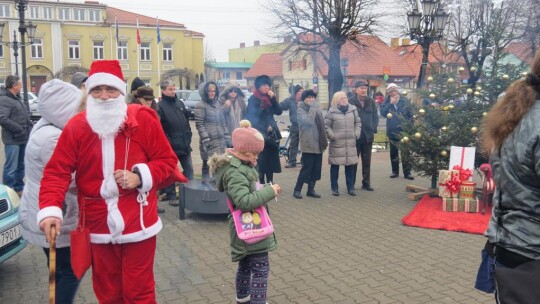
(136, 83)
(247, 139)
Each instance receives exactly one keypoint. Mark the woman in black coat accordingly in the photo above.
(262, 106)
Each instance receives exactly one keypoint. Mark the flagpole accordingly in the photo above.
(158, 51)
(138, 50)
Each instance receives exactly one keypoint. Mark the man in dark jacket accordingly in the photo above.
(16, 127)
(174, 120)
(400, 108)
(367, 110)
(291, 104)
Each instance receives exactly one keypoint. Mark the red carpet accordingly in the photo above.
(428, 213)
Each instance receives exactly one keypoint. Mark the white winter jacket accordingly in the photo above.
(58, 102)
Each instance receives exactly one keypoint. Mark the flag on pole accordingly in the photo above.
(138, 33)
(157, 27)
(116, 29)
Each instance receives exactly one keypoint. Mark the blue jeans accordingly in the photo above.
(66, 281)
(349, 176)
(13, 174)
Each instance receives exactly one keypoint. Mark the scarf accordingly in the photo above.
(343, 109)
(319, 124)
(265, 99)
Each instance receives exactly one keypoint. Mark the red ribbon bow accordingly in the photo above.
(464, 174)
(453, 184)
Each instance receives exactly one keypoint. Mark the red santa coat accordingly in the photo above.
(113, 215)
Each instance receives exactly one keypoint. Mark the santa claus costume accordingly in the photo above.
(123, 223)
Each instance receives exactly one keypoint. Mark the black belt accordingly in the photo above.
(507, 258)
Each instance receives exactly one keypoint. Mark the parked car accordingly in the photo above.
(33, 103)
(183, 94)
(191, 101)
(11, 241)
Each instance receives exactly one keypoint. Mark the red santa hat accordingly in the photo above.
(106, 72)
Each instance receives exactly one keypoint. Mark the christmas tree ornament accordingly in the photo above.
(444, 128)
(432, 95)
(429, 79)
(445, 108)
(461, 69)
(484, 114)
(417, 135)
(422, 111)
(451, 106)
(474, 130)
(476, 93)
(404, 93)
(524, 74)
(473, 69)
(505, 77)
(444, 153)
(414, 116)
(478, 88)
(469, 91)
(389, 116)
(405, 140)
(450, 80)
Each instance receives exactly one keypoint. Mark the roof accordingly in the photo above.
(438, 53)
(230, 65)
(521, 50)
(128, 18)
(267, 64)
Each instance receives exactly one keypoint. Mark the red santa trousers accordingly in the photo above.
(124, 273)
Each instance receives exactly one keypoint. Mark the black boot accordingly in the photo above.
(298, 190)
(311, 191)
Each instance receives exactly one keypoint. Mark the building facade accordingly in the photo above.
(75, 34)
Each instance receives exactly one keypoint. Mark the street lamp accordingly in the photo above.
(30, 30)
(426, 26)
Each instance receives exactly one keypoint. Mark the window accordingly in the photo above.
(78, 14)
(122, 51)
(63, 13)
(1, 51)
(34, 12)
(290, 65)
(145, 51)
(36, 48)
(304, 64)
(226, 75)
(238, 75)
(167, 52)
(47, 12)
(74, 50)
(4, 10)
(94, 15)
(98, 50)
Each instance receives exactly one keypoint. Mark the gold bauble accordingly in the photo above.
(422, 111)
(404, 93)
(417, 135)
(432, 95)
(476, 93)
(414, 116)
(445, 108)
(429, 79)
(444, 128)
(444, 153)
(473, 69)
(474, 130)
(389, 115)
(469, 91)
(401, 140)
(450, 80)
(478, 88)
(524, 74)
(484, 114)
(461, 69)
(405, 140)
(505, 77)
(451, 106)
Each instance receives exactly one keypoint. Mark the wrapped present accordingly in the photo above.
(466, 189)
(460, 204)
(448, 183)
(463, 158)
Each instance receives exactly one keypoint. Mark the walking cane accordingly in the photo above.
(52, 266)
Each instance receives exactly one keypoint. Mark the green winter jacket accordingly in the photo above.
(238, 180)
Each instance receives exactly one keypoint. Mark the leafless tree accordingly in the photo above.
(323, 26)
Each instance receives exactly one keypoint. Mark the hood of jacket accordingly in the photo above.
(217, 164)
(58, 102)
(224, 94)
(203, 88)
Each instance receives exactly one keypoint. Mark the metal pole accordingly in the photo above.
(15, 46)
(425, 57)
(21, 7)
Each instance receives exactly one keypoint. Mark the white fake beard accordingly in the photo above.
(105, 117)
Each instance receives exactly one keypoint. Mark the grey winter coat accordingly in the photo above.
(310, 136)
(516, 172)
(290, 104)
(342, 129)
(237, 110)
(213, 132)
(14, 119)
(58, 102)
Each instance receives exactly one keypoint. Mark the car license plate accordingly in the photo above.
(9, 236)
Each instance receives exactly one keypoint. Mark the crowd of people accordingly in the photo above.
(139, 143)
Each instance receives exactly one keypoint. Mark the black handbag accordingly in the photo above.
(518, 285)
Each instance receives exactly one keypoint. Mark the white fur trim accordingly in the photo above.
(243, 300)
(98, 79)
(146, 177)
(128, 238)
(48, 212)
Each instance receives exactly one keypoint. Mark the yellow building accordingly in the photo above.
(252, 53)
(75, 34)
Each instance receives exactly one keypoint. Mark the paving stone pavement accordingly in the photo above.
(331, 250)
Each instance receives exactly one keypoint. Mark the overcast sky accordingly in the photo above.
(225, 23)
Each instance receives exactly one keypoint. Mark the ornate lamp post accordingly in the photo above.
(30, 30)
(426, 26)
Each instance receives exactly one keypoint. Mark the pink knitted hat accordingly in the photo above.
(247, 139)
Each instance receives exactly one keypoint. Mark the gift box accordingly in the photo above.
(444, 177)
(462, 157)
(460, 204)
(466, 189)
